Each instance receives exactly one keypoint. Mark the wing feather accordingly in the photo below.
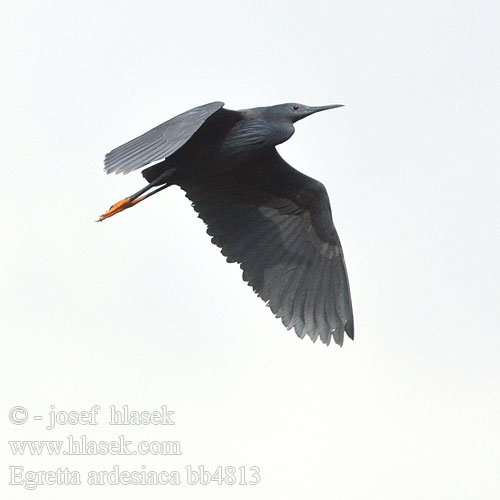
(160, 142)
(277, 224)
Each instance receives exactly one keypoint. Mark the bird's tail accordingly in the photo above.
(154, 172)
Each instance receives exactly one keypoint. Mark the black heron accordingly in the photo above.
(270, 218)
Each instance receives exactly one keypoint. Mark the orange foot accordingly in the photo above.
(119, 207)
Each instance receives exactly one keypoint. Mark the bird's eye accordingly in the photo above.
(295, 107)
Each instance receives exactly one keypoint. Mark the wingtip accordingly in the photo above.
(349, 328)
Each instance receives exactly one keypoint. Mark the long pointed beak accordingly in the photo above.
(310, 110)
(315, 109)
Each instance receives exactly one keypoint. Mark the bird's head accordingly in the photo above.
(295, 112)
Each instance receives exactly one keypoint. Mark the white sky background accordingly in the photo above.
(143, 310)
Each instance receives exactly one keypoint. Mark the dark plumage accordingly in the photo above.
(273, 220)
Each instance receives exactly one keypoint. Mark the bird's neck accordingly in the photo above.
(256, 131)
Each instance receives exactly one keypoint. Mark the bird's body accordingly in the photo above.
(227, 139)
(273, 220)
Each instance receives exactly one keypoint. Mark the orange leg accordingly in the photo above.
(120, 206)
(130, 201)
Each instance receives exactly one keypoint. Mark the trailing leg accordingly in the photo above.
(130, 201)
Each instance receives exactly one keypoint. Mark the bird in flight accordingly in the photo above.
(262, 213)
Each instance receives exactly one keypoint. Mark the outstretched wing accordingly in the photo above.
(159, 142)
(277, 224)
